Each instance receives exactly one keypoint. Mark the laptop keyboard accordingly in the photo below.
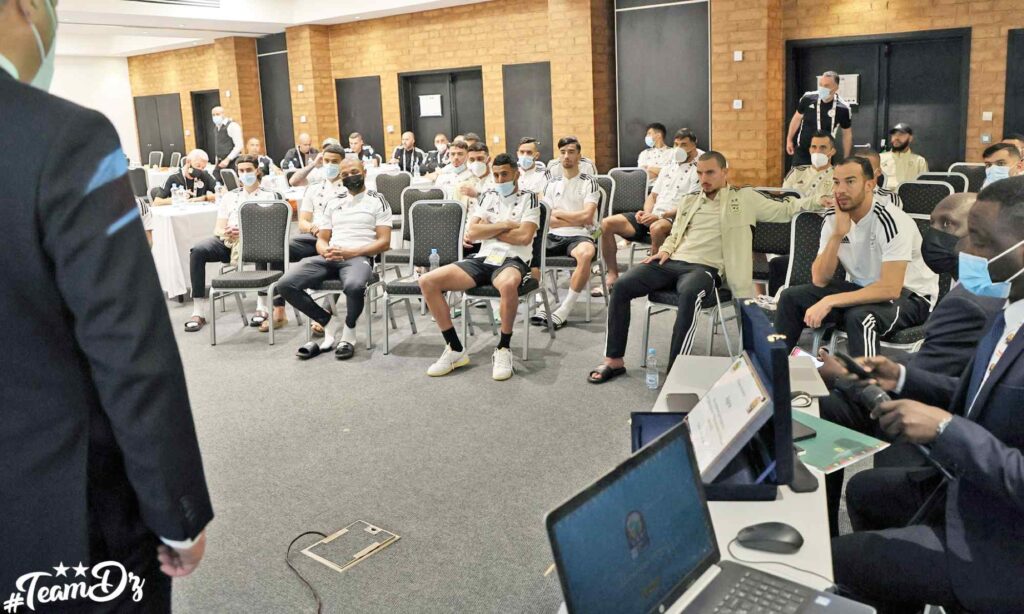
(759, 593)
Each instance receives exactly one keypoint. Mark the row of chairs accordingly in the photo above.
(156, 158)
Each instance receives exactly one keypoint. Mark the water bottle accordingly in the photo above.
(652, 370)
(175, 194)
(416, 169)
(219, 191)
(291, 165)
(435, 260)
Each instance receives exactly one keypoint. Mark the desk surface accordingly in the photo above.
(804, 511)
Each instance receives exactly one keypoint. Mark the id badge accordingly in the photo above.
(497, 255)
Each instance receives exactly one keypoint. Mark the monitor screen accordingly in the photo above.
(638, 536)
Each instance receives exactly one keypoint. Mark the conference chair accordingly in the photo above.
(959, 181)
(433, 224)
(230, 179)
(974, 171)
(264, 235)
(390, 186)
(557, 264)
(554, 167)
(139, 180)
(175, 159)
(769, 238)
(909, 339)
(156, 158)
(334, 288)
(153, 192)
(805, 236)
(527, 289)
(629, 191)
(409, 196)
(921, 197)
(661, 301)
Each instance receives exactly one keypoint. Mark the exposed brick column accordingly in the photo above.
(309, 64)
(238, 72)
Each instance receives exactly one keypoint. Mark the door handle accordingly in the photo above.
(864, 145)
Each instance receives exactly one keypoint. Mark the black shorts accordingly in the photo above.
(563, 246)
(483, 274)
(642, 233)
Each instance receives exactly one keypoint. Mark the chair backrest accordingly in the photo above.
(411, 196)
(264, 230)
(946, 279)
(153, 191)
(974, 171)
(554, 168)
(629, 189)
(175, 159)
(143, 206)
(540, 240)
(957, 180)
(156, 158)
(229, 179)
(771, 237)
(390, 186)
(605, 183)
(139, 179)
(920, 197)
(803, 249)
(436, 224)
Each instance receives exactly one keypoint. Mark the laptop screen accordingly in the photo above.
(638, 536)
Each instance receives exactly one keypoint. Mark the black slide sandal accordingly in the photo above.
(195, 324)
(259, 318)
(604, 373)
(344, 351)
(309, 350)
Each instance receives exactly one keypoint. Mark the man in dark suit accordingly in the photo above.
(98, 452)
(967, 553)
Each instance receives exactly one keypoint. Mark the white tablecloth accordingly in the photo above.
(176, 228)
(158, 177)
(372, 173)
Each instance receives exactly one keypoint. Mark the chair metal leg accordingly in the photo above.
(241, 309)
(367, 313)
(646, 334)
(213, 317)
(412, 318)
(526, 329)
(270, 297)
(554, 283)
(387, 331)
(712, 328)
(725, 333)
(547, 309)
(819, 334)
(490, 314)
(467, 322)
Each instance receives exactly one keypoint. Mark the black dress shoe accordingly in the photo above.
(344, 351)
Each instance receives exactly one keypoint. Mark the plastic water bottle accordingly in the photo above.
(416, 169)
(175, 195)
(652, 370)
(291, 165)
(435, 260)
(219, 191)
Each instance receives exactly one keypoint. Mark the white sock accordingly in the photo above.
(261, 303)
(328, 341)
(199, 307)
(566, 307)
(348, 335)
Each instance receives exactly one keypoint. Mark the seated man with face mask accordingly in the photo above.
(1002, 160)
(951, 332)
(198, 183)
(532, 175)
(222, 246)
(814, 179)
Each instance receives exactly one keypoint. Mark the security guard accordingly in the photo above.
(819, 111)
(900, 164)
(814, 179)
(100, 458)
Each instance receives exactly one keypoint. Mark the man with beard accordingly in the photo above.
(889, 287)
(901, 165)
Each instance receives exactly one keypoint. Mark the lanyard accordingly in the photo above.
(835, 107)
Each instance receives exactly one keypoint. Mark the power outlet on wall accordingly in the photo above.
(737, 104)
(986, 138)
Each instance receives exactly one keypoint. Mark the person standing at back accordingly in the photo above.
(88, 353)
(227, 138)
(819, 111)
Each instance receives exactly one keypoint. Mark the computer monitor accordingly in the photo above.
(636, 539)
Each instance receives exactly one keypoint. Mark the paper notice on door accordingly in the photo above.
(430, 105)
(727, 417)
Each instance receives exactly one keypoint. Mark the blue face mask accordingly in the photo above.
(975, 277)
(248, 178)
(823, 93)
(506, 189)
(331, 170)
(995, 173)
(525, 162)
(218, 121)
(649, 140)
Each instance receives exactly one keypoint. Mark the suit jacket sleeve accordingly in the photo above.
(953, 330)
(931, 388)
(978, 456)
(94, 239)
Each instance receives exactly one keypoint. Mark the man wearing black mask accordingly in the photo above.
(951, 335)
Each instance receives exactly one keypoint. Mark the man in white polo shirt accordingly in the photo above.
(890, 287)
(355, 228)
(227, 234)
(658, 154)
(573, 198)
(505, 222)
(532, 176)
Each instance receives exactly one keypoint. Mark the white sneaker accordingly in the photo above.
(502, 364)
(449, 361)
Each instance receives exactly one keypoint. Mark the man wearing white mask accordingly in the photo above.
(532, 176)
(100, 459)
(480, 166)
(657, 154)
(814, 179)
(819, 111)
(1002, 160)
(227, 138)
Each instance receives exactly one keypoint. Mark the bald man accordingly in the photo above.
(254, 147)
(300, 156)
(355, 227)
(227, 138)
(408, 157)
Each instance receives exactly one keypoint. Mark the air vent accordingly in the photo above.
(213, 4)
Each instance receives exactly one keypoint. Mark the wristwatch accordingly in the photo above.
(942, 426)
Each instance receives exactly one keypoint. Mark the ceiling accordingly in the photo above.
(120, 28)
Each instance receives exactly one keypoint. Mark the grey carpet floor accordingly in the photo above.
(463, 468)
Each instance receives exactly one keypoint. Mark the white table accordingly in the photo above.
(806, 512)
(158, 176)
(176, 228)
(384, 169)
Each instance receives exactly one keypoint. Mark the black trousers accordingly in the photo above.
(299, 248)
(892, 567)
(353, 273)
(864, 325)
(211, 249)
(692, 282)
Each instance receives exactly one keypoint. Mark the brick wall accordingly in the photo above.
(238, 72)
(309, 65)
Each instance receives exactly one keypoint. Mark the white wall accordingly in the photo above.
(101, 84)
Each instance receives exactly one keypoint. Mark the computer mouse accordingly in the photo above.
(777, 537)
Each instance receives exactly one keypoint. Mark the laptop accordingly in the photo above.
(637, 539)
